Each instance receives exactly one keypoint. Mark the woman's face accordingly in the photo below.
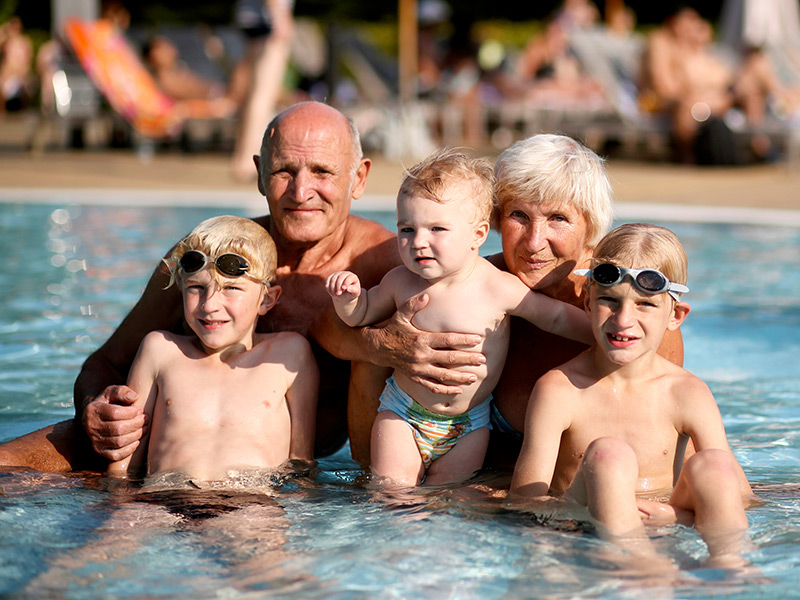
(543, 243)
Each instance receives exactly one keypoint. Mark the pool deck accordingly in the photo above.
(767, 193)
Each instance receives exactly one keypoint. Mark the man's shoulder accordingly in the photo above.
(368, 229)
(371, 249)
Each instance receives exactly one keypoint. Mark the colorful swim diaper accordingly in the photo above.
(435, 434)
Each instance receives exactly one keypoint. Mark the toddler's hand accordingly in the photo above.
(343, 286)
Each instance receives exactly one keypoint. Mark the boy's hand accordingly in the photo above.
(656, 513)
(343, 286)
(114, 426)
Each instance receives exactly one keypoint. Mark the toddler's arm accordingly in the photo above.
(356, 306)
(142, 380)
(554, 316)
(345, 290)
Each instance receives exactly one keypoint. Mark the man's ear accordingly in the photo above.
(481, 233)
(257, 161)
(680, 311)
(270, 299)
(360, 178)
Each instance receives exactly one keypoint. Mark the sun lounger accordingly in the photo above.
(119, 74)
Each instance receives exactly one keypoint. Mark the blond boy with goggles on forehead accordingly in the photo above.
(225, 398)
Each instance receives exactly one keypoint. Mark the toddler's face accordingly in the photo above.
(437, 239)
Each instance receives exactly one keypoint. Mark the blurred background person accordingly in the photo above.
(269, 27)
(17, 80)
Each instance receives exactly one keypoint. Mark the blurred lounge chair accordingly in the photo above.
(614, 62)
(120, 75)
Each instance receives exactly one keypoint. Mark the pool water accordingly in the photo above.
(70, 273)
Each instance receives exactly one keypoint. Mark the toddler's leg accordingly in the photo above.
(463, 460)
(606, 484)
(394, 452)
(709, 485)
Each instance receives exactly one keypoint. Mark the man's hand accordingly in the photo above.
(113, 425)
(429, 359)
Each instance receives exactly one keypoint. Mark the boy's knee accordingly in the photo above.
(712, 467)
(611, 453)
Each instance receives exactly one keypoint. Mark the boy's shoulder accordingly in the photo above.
(159, 338)
(685, 384)
(286, 343)
(572, 375)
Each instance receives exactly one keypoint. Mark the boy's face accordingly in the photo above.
(629, 324)
(437, 239)
(224, 315)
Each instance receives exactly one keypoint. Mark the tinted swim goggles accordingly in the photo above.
(230, 264)
(648, 281)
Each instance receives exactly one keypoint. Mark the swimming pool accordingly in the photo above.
(71, 272)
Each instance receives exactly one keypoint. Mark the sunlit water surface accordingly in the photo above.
(70, 273)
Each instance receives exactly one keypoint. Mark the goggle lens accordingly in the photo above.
(652, 281)
(648, 281)
(229, 264)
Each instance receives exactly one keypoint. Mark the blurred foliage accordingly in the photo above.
(7, 9)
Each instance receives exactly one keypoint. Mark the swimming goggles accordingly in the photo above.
(649, 281)
(230, 264)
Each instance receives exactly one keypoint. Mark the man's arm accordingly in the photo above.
(104, 406)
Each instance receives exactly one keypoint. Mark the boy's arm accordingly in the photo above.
(142, 380)
(702, 421)
(548, 313)
(301, 398)
(104, 406)
(546, 419)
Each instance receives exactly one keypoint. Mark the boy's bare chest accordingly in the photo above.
(221, 396)
(645, 424)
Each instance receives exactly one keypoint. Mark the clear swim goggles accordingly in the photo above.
(648, 281)
(230, 264)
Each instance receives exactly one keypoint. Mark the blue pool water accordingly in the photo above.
(69, 274)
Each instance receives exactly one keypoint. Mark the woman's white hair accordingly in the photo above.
(556, 170)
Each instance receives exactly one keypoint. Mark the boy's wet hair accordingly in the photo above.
(219, 235)
(644, 246)
(448, 166)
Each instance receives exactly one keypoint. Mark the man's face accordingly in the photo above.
(310, 176)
